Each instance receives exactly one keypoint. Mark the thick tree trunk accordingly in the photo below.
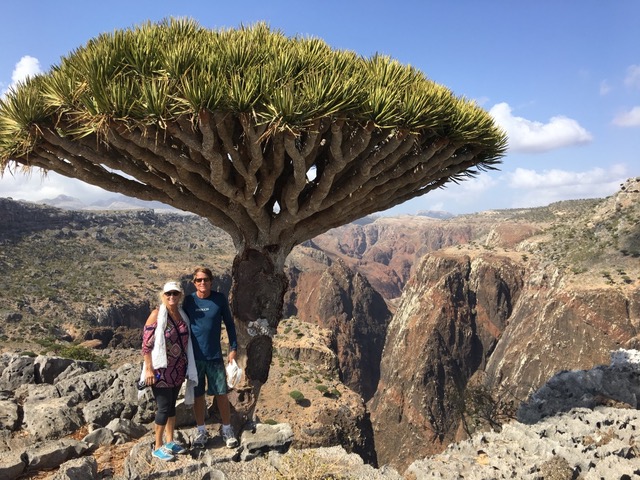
(256, 299)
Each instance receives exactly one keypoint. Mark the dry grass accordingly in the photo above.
(308, 465)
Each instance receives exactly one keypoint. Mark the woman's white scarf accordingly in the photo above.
(159, 354)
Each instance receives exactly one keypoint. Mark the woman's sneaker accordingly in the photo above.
(229, 437)
(174, 448)
(200, 439)
(162, 454)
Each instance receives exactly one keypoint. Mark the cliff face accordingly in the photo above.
(463, 316)
(508, 316)
(452, 313)
(342, 301)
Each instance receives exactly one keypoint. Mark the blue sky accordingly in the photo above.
(561, 77)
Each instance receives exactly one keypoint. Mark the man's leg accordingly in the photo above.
(225, 410)
(199, 404)
(228, 436)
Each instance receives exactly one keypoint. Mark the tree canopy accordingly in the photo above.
(274, 139)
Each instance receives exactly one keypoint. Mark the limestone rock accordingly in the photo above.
(85, 468)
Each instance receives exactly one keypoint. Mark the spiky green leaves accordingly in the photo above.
(156, 72)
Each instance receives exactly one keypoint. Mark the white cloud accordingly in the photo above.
(633, 77)
(628, 119)
(534, 137)
(27, 67)
(605, 88)
(542, 188)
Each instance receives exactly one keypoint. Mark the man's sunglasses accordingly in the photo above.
(199, 280)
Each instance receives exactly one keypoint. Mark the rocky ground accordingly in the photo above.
(579, 426)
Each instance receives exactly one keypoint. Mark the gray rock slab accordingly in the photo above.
(85, 468)
(196, 464)
(597, 443)
(127, 427)
(9, 415)
(48, 368)
(76, 369)
(54, 454)
(266, 438)
(11, 466)
(102, 410)
(52, 418)
(101, 436)
(19, 371)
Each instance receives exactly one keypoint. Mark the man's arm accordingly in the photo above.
(227, 318)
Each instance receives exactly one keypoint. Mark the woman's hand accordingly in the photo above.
(149, 377)
(232, 356)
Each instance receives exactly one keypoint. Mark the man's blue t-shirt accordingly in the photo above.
(206, 316)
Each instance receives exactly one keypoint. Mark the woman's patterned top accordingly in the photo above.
(176, 336)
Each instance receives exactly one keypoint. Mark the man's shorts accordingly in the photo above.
(216, 377)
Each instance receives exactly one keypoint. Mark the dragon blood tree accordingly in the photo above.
(273, 139)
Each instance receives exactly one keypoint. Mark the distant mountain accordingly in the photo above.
(439, 214)
(117, 202)
(65, 202)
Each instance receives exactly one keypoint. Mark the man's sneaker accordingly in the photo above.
(228, 436)
(174, 448)
(200, 439)
(162, 454)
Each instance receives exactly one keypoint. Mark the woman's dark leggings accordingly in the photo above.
(166, 399)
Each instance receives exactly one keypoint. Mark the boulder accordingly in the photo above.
(9, 415)
(11, 466)
(100, 436)
(85, 468)
(48, 368)
(127, 427)
(266, 438)
(53, 454)
(19, 371)
(52, 418)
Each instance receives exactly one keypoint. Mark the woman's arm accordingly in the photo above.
(148, 337)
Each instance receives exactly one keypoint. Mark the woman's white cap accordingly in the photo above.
(172, 287)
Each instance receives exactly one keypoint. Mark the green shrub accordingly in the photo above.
(78, 352)
(270, 421)
(323, 389)
(297, 395)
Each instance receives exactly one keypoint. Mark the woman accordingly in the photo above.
(168, 359)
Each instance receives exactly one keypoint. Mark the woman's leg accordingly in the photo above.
(164, 397)
(159, 432)
(171, 420)
(171, 423)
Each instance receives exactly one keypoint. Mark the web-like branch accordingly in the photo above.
(254, 183)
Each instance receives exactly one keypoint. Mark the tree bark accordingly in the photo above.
(256, 299)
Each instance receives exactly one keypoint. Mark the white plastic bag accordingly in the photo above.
(234, 374)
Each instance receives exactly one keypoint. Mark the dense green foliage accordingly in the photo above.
(157, 72)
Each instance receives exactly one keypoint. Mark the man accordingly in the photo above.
(207, 310)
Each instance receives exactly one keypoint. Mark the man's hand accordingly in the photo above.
(232, 356)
